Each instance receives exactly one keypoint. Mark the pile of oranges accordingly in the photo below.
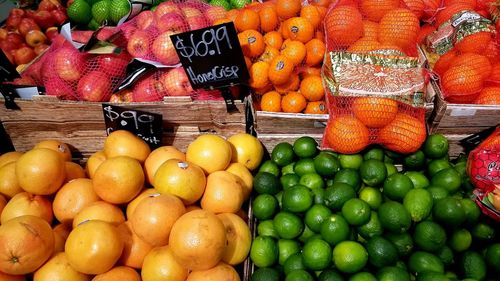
(130, 214)
(284, 46)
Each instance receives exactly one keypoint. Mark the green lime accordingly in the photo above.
(402, 241)
(418, 179)
(266, 183)
(449, 211)
(312, 181)
(266, 228)
(289, 180)
(394, 217)
(326, 164)
(294, 262)
(363, 276)
(79, 12)
(350, 161)
(449, 179)
(381, 252)
(279, 197)
(335, 229)
(93, 25)
(376, 153)
(460, 240)
(483, 231)
(434, 166)
(270, 167)
(223, 3)
(432, 276)
(349, 256)
(282, 154)
(372, 228)
(418, 202)
(288, 225)
(372, 196)
(445, 254)
(337, 194)
(356, 211)
(265, 274)
(118, 9)
(350, 177)
(319, 195)
(330, 275)
(100, 11)
(391, 169)
(429, 236)
(286, 248)
(306, 234)
(297, 199)
(414, 161)
(264, 251)
(316, 215)
(264, 206)
(461, 168)
(473, 265)
(392, 273)
(238, 4)
(420, 262)
(288, 169)
(299, 275)
(316, 254)
(397, 186)
(305, 147)
(437, 193)
(304, 166)
(435, 146)
(492, 256)
(373, 172)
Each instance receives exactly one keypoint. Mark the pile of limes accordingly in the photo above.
(327, 216)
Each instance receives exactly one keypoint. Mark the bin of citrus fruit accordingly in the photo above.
(131, 213)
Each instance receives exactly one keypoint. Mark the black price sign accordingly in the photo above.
(211, 56)
(8, 71)
(146, 125)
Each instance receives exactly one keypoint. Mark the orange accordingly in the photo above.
(9, 186)
(124, 143)
(494, 77)
(198, 240)
(295, 51)
(247, 19)
(252, 43)
(430, 8)
(280, 70)
(475, 43)
(232, 14)
(374, 112)
(10, 277)
(221, 271)
(259, 72)
(10, 157)
(154, 216)
(315, 52)
(312, 14)
(299, 29)
(343, 26)
(308, 70)
(476, 61)
(445, 14)
(492, 52)
(271, 102)
(416, 6)
(61, 232)
(182, 179)
(464, 79)
(489, 95)
(221, 21)
(134, 248)
(223, 193)
(210, 152)
(364, 45)
(292, 84)
(405, 134)
(269, 54)
(72, 198)
(23, 204)
(374, 10)
(100, 210)
(161, 264)
(239, 238)
(316, 107)
(247, 150)
(312, 88)
(93, 247)
(62, 148)
(73, 171)
(346, 134)
(399, 27)
(93, 162)
(293, 102)
(288, 8)
(269, 20)
(242, 172)
(133, 204)
(324, 3)
(118, 273)
(320, 35)
(58, 268)
(40, 171)
(119, 179)
(472, 3)
(273, 39)
(444, 62)
(158, 157)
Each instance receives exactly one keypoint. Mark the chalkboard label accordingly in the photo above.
(146, 125)
(8, 71)
(211, 56)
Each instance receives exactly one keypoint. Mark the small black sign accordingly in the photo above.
(147, 125)
(470, 142)
(8, 71)
(211, 56)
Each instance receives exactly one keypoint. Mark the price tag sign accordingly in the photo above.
(146, 125)
(211, 56)
(8, 71)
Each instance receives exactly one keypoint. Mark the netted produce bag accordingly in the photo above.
(374, 99)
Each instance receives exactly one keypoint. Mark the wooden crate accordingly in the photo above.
(81, 124)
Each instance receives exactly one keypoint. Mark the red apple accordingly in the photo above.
(163, 49)
(59, 15)
(35, 38)
(30, 14)
(24, 80)
(138, 44)
(56, 87)
(148, 89)
(40, 48)
(144, 20)
(26, 25)
(3, 34)
(197, 22)
(13, 22)
(44, 19)
(176, 82)
(172, 21)
(81, 36)
(15, 39)
(215, 13)
(17, 12)
(24, 55)
(94, 86)
(51, 33)
(122, 96)
(47, 5)
(68, 64)
(191, 12)
(113, 65)
(165, 8)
